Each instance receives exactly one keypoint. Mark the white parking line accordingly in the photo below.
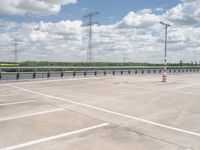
(185, 86)
(16, 103)
(110, 112)
(55, 137)
(8, 95)
(30, 115)
(3, 89)
(49, 80)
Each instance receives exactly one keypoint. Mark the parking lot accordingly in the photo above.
(101, 113)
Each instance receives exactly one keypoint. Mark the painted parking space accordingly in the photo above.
(164, 112)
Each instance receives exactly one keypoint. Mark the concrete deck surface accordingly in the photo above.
(101, 113)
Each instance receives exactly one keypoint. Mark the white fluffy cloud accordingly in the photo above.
(42, 7)
(186, 13)
(138, 36)
(142, 19)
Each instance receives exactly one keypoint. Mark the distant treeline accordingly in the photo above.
(90, 64)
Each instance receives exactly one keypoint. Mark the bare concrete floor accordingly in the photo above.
(101, 113)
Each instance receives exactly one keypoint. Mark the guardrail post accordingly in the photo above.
(34, 75)
(105, 73)
(113, 72)
(85, 74)
(62, 74)
(0, 73)
(95, 73)
(18, 75)
(74, 73)
(48, 74)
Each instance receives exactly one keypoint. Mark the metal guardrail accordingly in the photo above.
(97, 67)
(17, 73)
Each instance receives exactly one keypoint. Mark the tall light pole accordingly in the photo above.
(164, 77)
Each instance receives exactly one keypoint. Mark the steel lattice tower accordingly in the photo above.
(89, 24)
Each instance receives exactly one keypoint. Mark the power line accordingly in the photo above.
(89, 24)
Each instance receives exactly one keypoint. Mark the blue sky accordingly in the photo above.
(52, 30)
(115, 9)
(110, 10)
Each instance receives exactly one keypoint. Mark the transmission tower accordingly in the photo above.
(125, 56)
(16, 44)
(16, 51)
(89, 24)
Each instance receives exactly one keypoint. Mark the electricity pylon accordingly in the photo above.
(89, 24)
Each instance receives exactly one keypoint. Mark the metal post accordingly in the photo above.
(90, 42)
(0, 73)
(164, 77)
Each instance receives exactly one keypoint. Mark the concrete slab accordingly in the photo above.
(19, 131)
(108, 138)
(23, 109)
(143, 112)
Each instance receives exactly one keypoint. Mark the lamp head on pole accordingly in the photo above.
(165, 24)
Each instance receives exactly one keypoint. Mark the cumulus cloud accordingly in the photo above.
(186, 13)
(138, 36)
(42, 7)
(141, 19)
(70, 30)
